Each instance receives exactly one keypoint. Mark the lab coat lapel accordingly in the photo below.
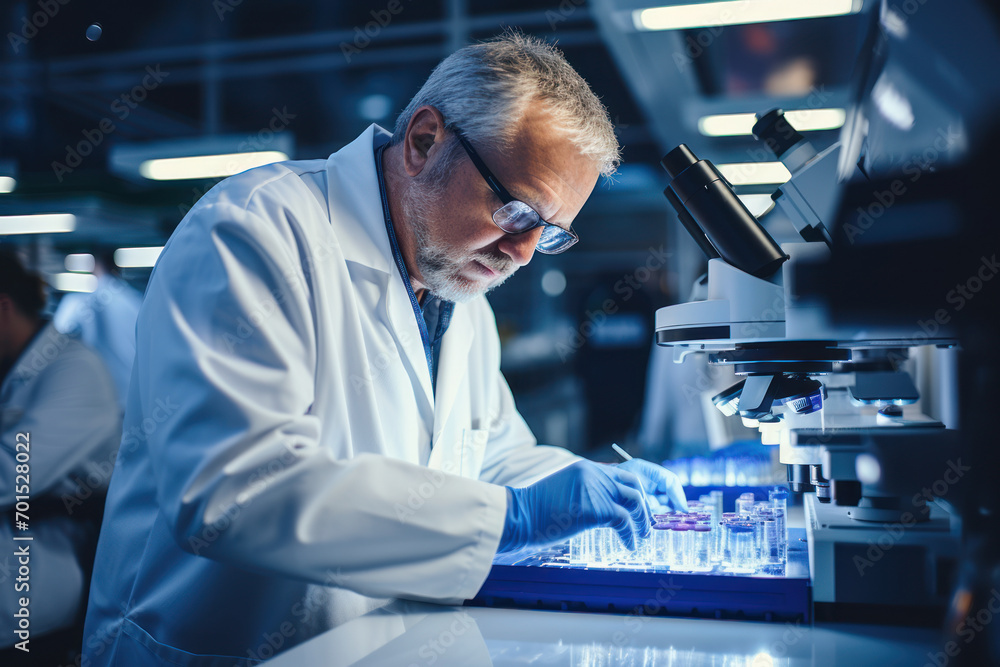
(356, 207)
(453, 365)
(405, 329)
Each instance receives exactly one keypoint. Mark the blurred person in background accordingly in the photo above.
(58, 410)
(105, 320)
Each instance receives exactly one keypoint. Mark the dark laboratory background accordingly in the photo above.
(318, 73)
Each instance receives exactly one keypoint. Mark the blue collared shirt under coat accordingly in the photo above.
(435, 313)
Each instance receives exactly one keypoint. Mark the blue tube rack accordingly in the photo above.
(545, 580)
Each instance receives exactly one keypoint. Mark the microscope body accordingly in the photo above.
(840, 404)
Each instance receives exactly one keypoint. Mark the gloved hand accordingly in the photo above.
(580, 496)
(657, 482)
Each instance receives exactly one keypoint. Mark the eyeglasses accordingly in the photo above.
(516, 217)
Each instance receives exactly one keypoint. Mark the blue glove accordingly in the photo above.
(658, 482)
(580, 496)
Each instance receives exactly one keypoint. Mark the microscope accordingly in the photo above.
(838, 401)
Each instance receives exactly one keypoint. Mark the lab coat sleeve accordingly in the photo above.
(227, 340)
(513, 457)
(71, 418)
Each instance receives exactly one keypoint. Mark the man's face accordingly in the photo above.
(460, 252)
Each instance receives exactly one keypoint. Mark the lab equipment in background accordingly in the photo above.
(807, 198)
(782, 345)
(724, 470)
(715, 218)
(826, 362)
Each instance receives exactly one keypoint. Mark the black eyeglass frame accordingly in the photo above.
(569, 236)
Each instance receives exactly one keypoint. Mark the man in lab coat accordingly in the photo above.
(59, 429)
(316, 419)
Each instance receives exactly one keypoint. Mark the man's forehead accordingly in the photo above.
(547, 170)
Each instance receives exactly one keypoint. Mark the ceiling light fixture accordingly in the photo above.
(737, 12)
(41, 223)
(740, 124)
(128, 258)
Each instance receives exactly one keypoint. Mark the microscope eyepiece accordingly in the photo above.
(716, 218)
(775, 132)
(678, 160)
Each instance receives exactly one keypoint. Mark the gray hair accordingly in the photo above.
(485, 89)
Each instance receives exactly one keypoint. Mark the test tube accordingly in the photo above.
(727, 518)
(744, 504)
(680, 546)
(701, 541)
(741, 547)
(643, 550)
(715, 517)
(575, 546)
(660, 536)
(727, 541)
(617, 552)
(588, 553)
(761, 516)
(717, 497)
(779, 503)
(771, 555)
(602, 544)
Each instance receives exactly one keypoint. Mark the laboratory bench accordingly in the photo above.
(405, 633)
(416, 634)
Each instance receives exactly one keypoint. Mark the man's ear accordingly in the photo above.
(424, 134)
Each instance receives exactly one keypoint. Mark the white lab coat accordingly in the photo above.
(105, 320)
(276, 475)
(60, 396)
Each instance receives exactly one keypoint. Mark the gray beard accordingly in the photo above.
(439, 266)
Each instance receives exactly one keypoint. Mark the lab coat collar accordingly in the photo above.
(353, 190)
(355, 201)
(354, 195)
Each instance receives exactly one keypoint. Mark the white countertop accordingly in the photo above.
(416, 634)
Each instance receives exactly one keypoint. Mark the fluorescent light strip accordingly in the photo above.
(80, 262)
(736, 12)
(206, 166)
(803, 120)
(74, 282)
(42, 223)
(7, 184)
(754, 173)
(128, 258)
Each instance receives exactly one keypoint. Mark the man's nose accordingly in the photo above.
(520, 247)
